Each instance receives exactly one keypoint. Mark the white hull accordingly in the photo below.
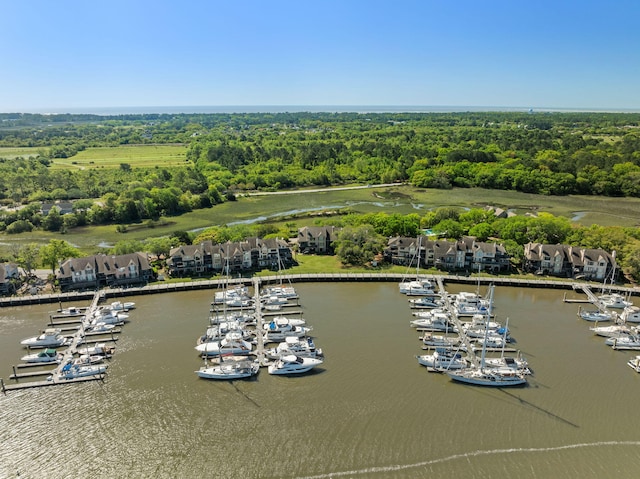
(230, 370)
(290, 365)
(488, 377)
(634, 363)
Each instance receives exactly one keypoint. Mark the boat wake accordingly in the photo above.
(401, 467)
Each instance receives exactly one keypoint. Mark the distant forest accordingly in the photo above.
(545, 153)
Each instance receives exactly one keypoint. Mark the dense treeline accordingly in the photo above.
(546, 153)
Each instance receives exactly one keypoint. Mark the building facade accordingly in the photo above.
(93, 272)
(465, 254)
(569, 261)
(206, 258)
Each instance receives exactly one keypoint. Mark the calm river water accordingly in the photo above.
(371, 412)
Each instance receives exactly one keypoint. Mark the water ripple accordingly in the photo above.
(467, 455)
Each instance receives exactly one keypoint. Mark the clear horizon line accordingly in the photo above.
(314, 108)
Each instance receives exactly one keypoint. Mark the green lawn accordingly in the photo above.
(11, 152)
(137, 156)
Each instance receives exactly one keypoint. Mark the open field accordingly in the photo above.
(296, 208)
(11, 152)
(138, 156)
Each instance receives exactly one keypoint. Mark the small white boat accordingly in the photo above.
(100, 349)
(230, 369)
(88, 359)
(108, 316)
(233, 343)
(614, 300)
(493, 341)
(281, 291)
(624, 342)
(634, 363)
(218, 332)
(122, 306)
(294, 345)
(73, 371)
(613, 330)
(426, 302)
(597, 315)
(630, 314)
(99, 327)
(290, 364)
(437, 322)
(443, 359)
(44, 356)
(50, 338)
(417, 287)
(438, 340)
(71, 311)
(517, 363)
(282, 323)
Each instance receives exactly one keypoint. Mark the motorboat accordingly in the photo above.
(230, 369)
(71, 311)
(290, 364)
(283, 323)
(597, 315)
(294, 345)
(481, 321)
(485, 376)
(281, 291)
(426, 302)
(100, 349)
(517, 363)
(108, 316)
(232, 343)
(436, 322)
(99, 327)
(624, 342)
(274, 300)
(50, 338)
(74, 371)
(630, 314)
(122, 306)
(466, 303)
(634, 363)
(443, 359)
(89, 359)
(438, 340)
(276, 336)
(218, 332)
(45, 356)
(493, 341)
(614, 300)
(221, 297)
(613, 330)
(417, 287)
(243, 318)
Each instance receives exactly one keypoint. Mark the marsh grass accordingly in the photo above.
(305, 208)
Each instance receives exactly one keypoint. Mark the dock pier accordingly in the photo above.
(54, 376)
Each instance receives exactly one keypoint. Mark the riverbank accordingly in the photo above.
(156, 288)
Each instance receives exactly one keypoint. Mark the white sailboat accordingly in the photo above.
(482, 375)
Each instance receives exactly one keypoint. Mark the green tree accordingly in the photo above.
(358, 245)
(55, 252)
(27, 257)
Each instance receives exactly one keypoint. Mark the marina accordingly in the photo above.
(360, 412)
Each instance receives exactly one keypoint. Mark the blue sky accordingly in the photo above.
(546, 54)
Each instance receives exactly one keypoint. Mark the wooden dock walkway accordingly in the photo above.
(155, 288)
(55, 375)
